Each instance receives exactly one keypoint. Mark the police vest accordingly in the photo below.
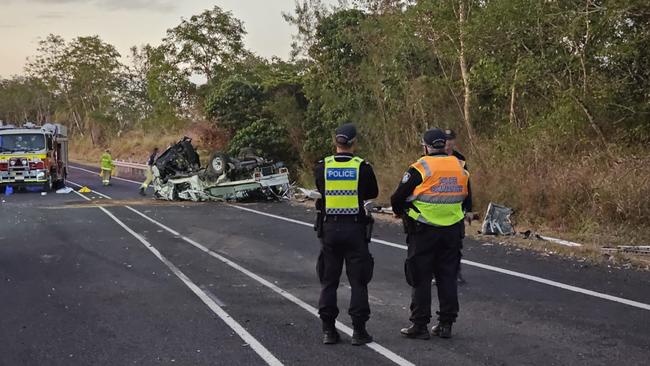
(342, 186)
(438, 199)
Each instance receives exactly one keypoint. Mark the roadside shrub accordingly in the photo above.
(267, 139)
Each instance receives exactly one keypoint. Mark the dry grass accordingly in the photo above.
(136, 145)
(589, 196)
(580, 192)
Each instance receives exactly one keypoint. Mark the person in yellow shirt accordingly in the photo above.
(106, 167)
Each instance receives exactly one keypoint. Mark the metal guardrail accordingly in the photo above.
(129, 169)
(130, 165)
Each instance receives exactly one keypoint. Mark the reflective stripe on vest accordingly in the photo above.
(438, 199)
(342, 186)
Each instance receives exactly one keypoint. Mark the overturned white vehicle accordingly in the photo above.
(178, 176)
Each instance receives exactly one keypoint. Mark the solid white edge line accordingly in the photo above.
(310, 309)
(264, 353)
(90, 171)
(488, 267)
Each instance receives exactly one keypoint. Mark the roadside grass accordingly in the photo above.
(136, 145)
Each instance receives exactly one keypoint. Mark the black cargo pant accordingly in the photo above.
(344, 242)
(433, 251)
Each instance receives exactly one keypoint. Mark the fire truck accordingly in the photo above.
(33, 155)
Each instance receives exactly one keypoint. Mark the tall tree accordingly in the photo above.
(85, 73)
(208, 41)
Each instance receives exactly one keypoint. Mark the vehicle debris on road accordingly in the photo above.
(497, 220)
(178, 175)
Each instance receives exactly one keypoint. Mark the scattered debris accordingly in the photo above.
(497, 221)
(303, 193)
(560, 241)
(84, 189)
(641, 249)
(528, 234)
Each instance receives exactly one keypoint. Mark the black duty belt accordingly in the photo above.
(343, 218)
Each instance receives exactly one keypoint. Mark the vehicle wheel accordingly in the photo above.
(218, 164)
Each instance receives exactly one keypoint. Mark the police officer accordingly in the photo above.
(429, 199)
(344, 181)
(450, 147)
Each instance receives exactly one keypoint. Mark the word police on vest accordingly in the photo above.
(447, 185)
(341, 174)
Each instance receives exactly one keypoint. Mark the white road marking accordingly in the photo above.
(620, 300)
(79, 186)
(264, 353)
(537, 279)
(312, 310)
(95, 173)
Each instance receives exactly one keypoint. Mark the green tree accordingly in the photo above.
(207, 42)
(236, 104)
(85, 73)
(267, 138)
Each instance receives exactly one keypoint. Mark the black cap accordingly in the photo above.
(346, 134)
(435, 138)
(451, 135)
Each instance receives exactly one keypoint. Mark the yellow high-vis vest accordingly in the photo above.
(342, 186)
(440, 196)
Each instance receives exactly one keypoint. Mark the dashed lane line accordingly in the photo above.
(390, 355)
(264, 353)
(312, 310)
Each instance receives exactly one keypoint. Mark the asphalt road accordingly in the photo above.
(139, 282)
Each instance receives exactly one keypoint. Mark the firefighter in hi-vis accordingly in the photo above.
(106, 167)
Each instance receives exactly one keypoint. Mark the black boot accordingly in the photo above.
(442, 330)
(142, 191)
(330, 335)
(360, 336)
(416, 331)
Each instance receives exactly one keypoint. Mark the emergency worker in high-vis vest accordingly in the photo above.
(344, 182)
(106, 165)
(430, 201)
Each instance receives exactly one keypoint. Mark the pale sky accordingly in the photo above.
(125, 23)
